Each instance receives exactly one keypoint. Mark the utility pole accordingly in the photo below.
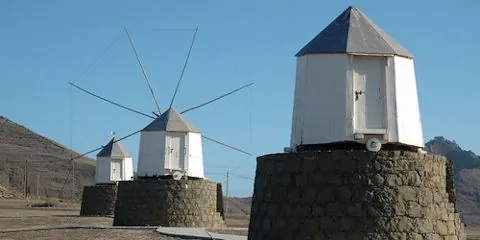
(73, 179)
(38, 184)
(226, 194)
(26, 178)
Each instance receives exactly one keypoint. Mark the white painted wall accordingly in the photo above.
(324, 103)
(295, 136)
(391, 99)
(321, 93)
(408, 110)
(151, 154)
(127, 169)
(195, 156)
(102, 171)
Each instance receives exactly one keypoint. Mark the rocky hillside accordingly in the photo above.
(47, 164)
(463, 159)
(239, 206)
(467, 177)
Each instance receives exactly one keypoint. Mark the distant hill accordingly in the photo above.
(467, 176)
(48, 163)
(239, 206)
(462, 159)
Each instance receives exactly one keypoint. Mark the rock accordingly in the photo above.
(166, 202)
(99, 200)
(355, 195)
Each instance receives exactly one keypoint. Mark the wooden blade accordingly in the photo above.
(226, 145)
(143, 70)
(217, 98)
(96, 149)
(111, 102)
(183, 70)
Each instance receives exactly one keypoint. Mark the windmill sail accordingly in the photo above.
(184, 67)
(143, 70)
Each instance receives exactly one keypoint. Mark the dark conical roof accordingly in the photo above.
(171, 121)
(354, 33)
(113, 149)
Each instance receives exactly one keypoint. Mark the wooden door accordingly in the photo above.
(176, 153)
(117, 171)
(369, 93)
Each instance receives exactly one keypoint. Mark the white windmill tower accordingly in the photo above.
(114, 164)
(355, 84)
(170, 145)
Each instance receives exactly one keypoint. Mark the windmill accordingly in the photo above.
(170, 146)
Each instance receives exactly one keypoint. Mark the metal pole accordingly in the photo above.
(226, 194)
(38, 184)
(26, 178)
(73, 179)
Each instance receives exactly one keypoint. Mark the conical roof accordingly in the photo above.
(113, 149)
(354, 33)
(171, 121)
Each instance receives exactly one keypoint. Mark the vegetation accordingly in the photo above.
(44, 203)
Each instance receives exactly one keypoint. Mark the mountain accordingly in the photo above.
(462, 159)
(47, 162)
(466, 166)
(239, 206)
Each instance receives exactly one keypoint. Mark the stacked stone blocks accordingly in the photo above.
(354, 195)
(168, 203)
(220, 208)
(98, 200)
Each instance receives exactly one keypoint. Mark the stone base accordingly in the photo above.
(354, 195)
(220, 206)
(98, 200)
(167, 203)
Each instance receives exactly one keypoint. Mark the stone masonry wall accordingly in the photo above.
(220, 208)
(450, 180)
(98, 200)
(353, 195)
(166, 202)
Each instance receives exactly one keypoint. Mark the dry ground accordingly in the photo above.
(473, 233)
(14, 215)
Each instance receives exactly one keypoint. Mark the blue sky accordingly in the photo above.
(46, 44)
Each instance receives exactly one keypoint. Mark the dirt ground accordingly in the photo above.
(473, 233)
(79, 234)
(17, 221)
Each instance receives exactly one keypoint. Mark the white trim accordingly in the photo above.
(371, 131)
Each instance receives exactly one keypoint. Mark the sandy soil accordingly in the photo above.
(78, 234)
(473, 233)
(238, 223)
(17, 221)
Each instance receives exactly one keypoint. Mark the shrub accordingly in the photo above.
(46, 203)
